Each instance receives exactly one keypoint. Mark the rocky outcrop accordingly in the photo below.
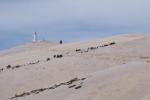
(70, 84)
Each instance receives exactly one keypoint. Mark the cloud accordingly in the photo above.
(55, 17)
(63, 15)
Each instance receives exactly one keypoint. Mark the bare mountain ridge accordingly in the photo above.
(111, 72)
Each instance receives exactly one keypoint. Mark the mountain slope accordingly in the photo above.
(115, 68)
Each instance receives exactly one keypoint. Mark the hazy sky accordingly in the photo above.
(70, 20)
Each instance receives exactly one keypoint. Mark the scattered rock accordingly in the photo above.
(58, 56)
(81, 51)
(71, 86)
(32, 63)
(112, 43)
(48, 59)
(105, 45)
(8, 66)
(83, 78)
(71, 81)
(78, 87)
(1, 69)
(17, 66)
(54, 56)
(77, 50)
(92, 48)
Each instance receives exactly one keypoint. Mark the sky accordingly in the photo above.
(70, 20)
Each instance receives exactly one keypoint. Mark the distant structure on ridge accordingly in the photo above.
(35, 37)
(60, 42)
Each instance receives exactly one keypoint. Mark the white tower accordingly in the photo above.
(35, 37)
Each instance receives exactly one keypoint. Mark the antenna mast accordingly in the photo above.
(35, 37)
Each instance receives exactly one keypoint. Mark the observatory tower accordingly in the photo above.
(35, 37)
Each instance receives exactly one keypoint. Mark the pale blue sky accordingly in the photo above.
(70, 20)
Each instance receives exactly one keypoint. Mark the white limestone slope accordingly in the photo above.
(115, 72)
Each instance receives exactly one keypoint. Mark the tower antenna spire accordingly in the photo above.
(35, 37)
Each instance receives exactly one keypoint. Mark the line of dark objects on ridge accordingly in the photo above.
(37, 91)
(93, 48)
